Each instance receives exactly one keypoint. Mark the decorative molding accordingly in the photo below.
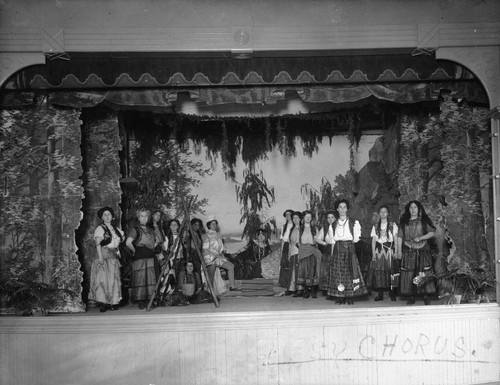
(11, 62)
(484, 62)
(52, 40)
(262, 38)
(163, 321)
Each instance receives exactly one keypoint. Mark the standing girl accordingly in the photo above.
(415, 230)
(105, 284)
(345, 280)
(309, 258)
(285, 267)
(141, 240)
(384, 267)
(326, 239)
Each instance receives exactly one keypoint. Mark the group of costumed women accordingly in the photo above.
(326, 260)
(158, 252)
(312, 258)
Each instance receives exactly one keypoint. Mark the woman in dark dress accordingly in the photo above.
(415, 231)
(325, 239)
(247, 264)
(285, 266)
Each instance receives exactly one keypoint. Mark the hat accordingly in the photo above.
(102, 210)
(298, 213)
(287, 211)
(211, 218)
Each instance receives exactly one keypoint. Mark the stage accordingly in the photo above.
(258, 340)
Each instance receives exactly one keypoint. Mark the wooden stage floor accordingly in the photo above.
(235, 303)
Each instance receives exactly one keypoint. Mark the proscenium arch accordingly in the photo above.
(12, 62)
(484, 63)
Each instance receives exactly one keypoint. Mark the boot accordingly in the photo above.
(306, 292)
(392, 294)
(380, 296)
(411, 301)
(427, 300)
(298, 293)
(314, 292)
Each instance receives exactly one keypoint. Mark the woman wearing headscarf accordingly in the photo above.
(105, 283)
(415, 231)
(345, 280)
(141, 240)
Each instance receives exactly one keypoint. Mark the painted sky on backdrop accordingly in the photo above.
(285, 174)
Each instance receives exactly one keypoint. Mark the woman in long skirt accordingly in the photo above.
(309, 258)
(141, 240)
(105, 283)
(415, 230)
(384, 266)
(325, 238)
(286, 268)
(345, 280)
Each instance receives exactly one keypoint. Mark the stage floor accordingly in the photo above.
(234, 303)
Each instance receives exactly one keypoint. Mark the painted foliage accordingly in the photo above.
(41, 194)
(445, 163)
(101, 145)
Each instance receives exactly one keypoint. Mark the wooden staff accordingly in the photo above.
(158, 281)
(197, 245)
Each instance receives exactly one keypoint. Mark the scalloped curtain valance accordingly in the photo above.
(132, 80)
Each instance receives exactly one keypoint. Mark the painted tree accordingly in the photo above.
(166, 176)
(255, 196)
(445, 163)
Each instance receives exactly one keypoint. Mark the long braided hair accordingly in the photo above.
(390, 225)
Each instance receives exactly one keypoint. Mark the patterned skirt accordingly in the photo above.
(345, 279)
(325, 267)
(309, 267)
(144, 273)
(379, 275)
(416, 262)
(105, 284)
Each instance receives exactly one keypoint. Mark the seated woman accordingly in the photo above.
(247, 264)
(213, 254)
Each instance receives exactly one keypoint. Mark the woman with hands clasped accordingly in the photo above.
(105, 283)
(415, 230)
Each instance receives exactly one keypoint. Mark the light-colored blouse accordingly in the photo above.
(329, 235)
(385, 236)
(115, 238)
(343, 233)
